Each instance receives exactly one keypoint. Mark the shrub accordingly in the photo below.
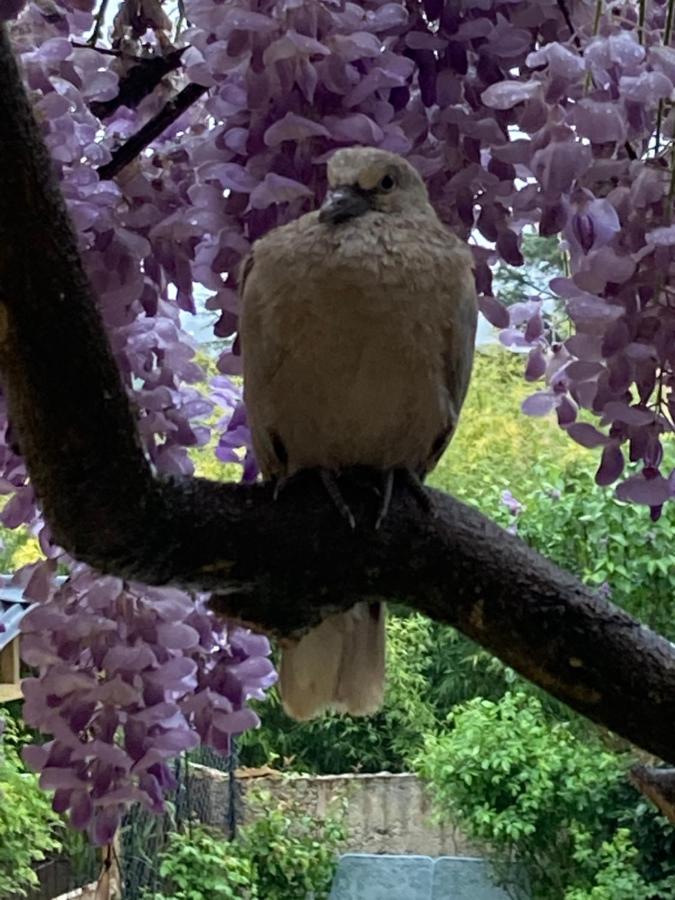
(198, 864)
(29, 829)
(533, 792)
(284, 852)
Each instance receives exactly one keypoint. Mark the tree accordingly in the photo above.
(515, 114)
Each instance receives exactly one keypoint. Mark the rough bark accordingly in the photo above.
(278, 565)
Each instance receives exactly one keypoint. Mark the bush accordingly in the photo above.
(561, 807)
(586, 530)
(293, 854)
(282, 853)
(28, 827)
(198, 864)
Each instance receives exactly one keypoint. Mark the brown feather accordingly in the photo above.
(358, 344)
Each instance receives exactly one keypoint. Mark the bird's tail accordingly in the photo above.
(338, 665)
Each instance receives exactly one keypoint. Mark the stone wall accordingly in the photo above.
(386, 813)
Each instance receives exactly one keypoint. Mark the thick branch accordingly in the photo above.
(658, 785)
(280, 566)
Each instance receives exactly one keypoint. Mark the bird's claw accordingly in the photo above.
(422, 497)
(329, 481)
(387, 488)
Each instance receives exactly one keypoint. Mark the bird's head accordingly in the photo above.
(362, 179)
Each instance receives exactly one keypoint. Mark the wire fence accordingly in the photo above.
(144, 834)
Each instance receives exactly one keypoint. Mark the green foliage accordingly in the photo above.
(199, 864)
(458, 670)
(17, 547)
(534, 792)
(543, 261)
(282, 853)
(497, 447)
(28, 827)
(293, 854)
(586, 530)
(617, 876)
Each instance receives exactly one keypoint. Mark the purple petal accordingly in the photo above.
(293, 128)
(177, 636)
(357, 128)
(646, 491)
(81, 810)
(599, 121)
(662, 237)
(507, 94)
(587, 435)
(106, 823)
(495, 312)
(539, 404)
(618, 411)
(611, 465)
(536, 365)
(10, 9)
(277, 189)
(558, 164)
(566, 411)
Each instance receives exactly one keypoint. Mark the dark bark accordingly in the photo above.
(172, 110)
(140, 80)
(282, 565)
(658, 785)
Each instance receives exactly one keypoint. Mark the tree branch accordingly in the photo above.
(98, 22)
(146, 135)
(140, 80)
(658, 785)
(278, 566)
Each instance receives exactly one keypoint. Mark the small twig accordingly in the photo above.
(657, 137)
(98, 23)
(564, 9)
(151, 130)
(139, 81)
(78, 45)
(667, 36)
(671, 191)
(642, 16)
(668, 30)
(182, 19)
(596, 27)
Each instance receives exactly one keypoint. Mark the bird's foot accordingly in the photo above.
(387, 488)
(281, 482)
(329, 481)
(412, 481)
(422, 497)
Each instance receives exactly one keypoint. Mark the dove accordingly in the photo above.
(357, 331)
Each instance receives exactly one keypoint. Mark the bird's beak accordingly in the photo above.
(344, 203)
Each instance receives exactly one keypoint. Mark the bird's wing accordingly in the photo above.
(262, 356)
(458, 350)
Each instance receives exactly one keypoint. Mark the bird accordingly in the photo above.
(357, 330)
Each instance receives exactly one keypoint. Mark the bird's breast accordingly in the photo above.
(359, 382)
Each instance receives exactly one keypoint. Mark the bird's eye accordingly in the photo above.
(387, 183)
